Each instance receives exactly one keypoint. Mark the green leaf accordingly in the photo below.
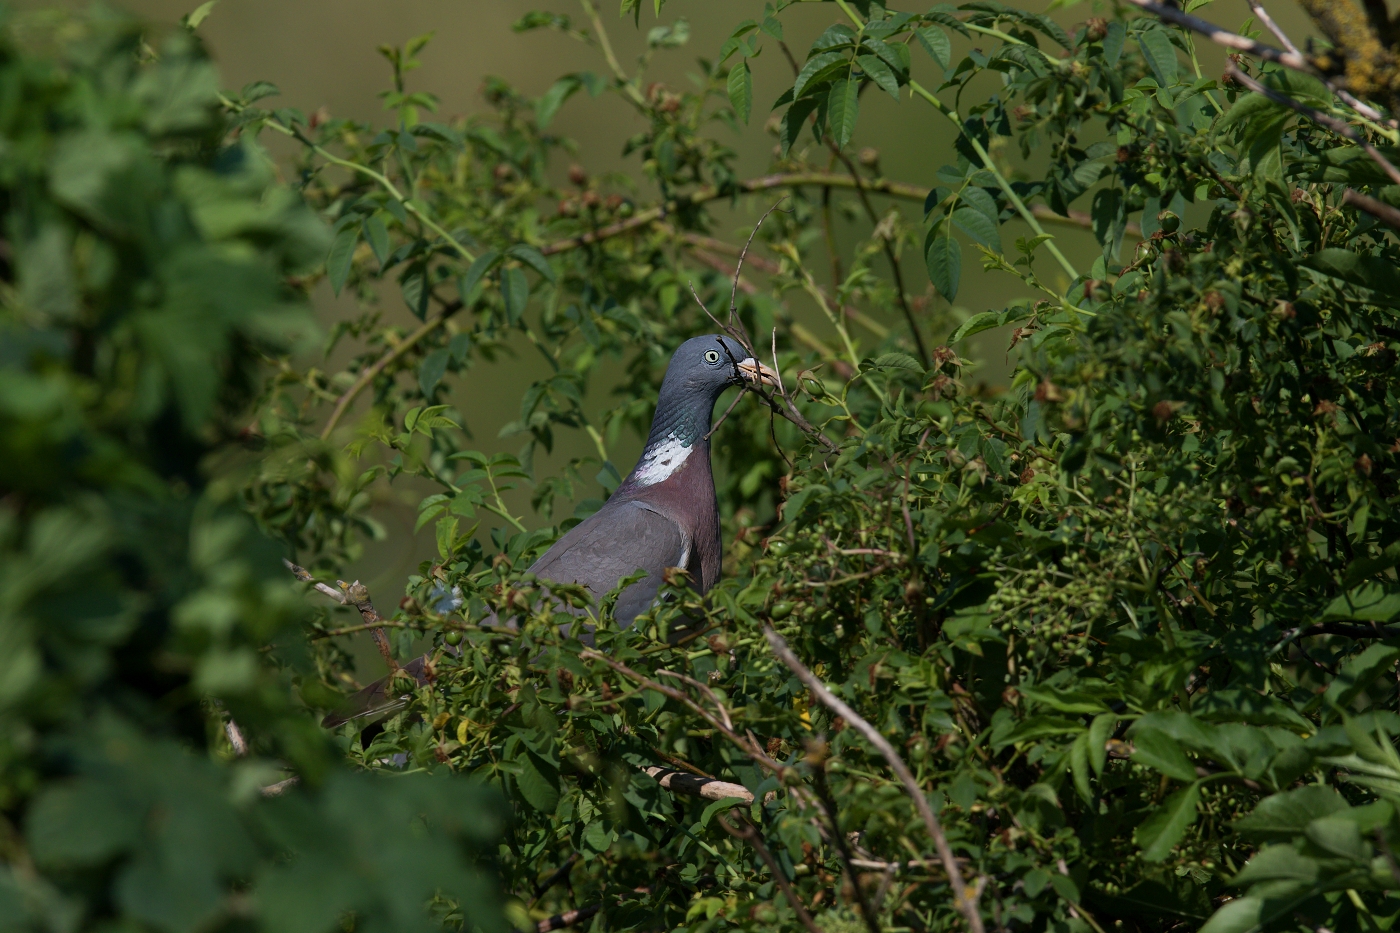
(1241, 915)
(944, 259)
(432, 369)
(879, 72)
(842, 108)
(1158, 750)
(898, 360)
(82, 822)
(1157, 48)
(1282, 816)
(1373, 272)
(378, 237)
(1160, 832)
(976, 225)
(199, 14)
(1079, 767)
(532, 258)
(515, 293)
(1113, 42)
(446, 537)
(538, 783)
(718, 806)
(551, 100)
(341, 255)
(1339, 836)
(1278, 863)
(482, 265)
(1358, 673)
(793, 120)
(935, 42)
(1100, 730)
(814, 66)
(741, 91)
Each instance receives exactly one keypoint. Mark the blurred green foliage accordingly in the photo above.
(144, 280)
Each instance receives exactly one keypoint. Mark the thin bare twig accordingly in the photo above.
(1340, 127)
(746, 831)
(965, 901)
(557, 876)
(888, 250)
(357, 595)
(843, 847)
(1263, 16)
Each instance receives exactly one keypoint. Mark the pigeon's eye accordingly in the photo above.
(711, 356)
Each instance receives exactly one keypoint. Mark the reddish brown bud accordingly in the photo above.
(577, 175)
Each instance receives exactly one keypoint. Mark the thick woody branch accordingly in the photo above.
(965, 901)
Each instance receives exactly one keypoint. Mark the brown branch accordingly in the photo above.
(353, 594)
(746, 831)
(557, 876)
(1378, 209)
(888, 250)
(966, 903)
(1263, 16)
(1340, 127)
(568, 918)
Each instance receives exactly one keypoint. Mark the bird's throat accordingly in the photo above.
(677, 433)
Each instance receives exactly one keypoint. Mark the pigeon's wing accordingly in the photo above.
(614, 543)
(378, 699)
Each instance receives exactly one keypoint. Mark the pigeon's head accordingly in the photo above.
(706, 366)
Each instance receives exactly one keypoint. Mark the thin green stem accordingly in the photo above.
(383, 180)
(605, 46)
(982, 154)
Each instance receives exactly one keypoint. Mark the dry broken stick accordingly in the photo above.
(357, 595)
(964, 900)
(705, 788)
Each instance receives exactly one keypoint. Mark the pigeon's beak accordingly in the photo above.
(756, 373)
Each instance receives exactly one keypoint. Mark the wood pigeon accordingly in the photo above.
(663, 515)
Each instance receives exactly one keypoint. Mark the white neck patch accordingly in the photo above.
(660, 460)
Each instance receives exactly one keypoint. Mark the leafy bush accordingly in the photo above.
(1126, 620)
(146, 261)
